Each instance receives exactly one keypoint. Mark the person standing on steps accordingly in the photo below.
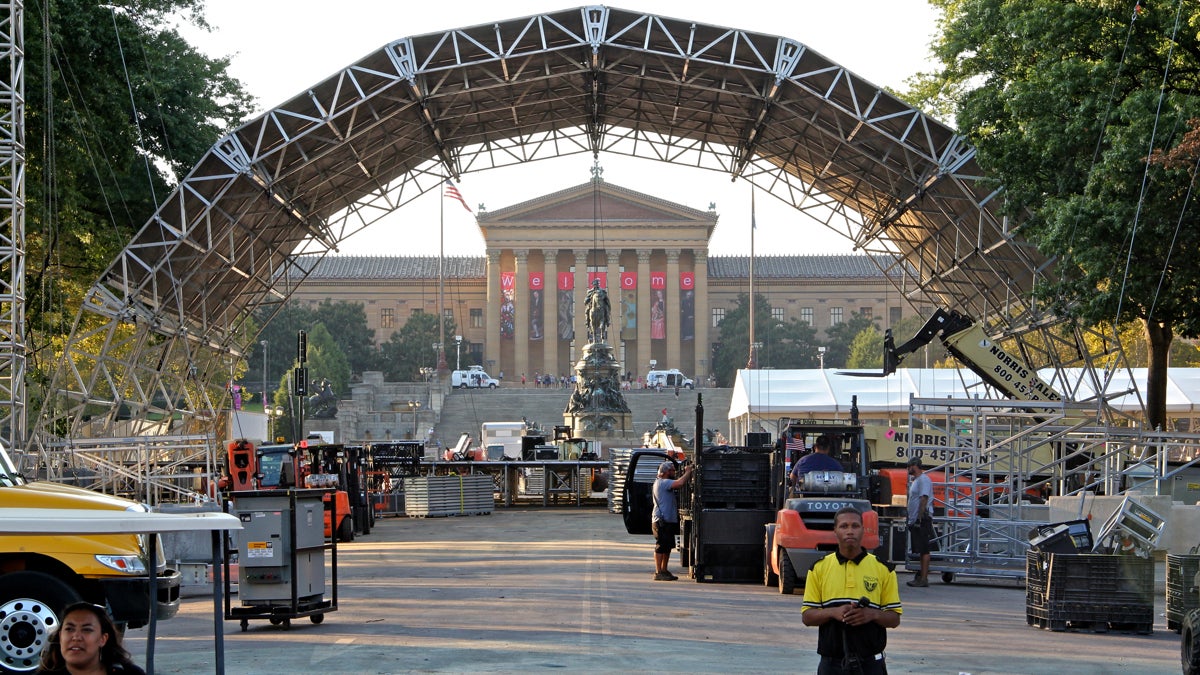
(920, 519)
(664, 519)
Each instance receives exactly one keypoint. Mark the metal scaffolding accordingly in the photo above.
(998, 456)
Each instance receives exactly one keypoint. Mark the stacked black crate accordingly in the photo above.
(729, 504)
(1182, 596)
(1092, 591)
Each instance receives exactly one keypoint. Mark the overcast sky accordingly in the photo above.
(281, 47)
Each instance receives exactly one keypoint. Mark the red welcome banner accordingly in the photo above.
(687, 280)
(628, 280)
(537, 281)
(566, 281)
(602, 276)
(658, 280)
(508, 280)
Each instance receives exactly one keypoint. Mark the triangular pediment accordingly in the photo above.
(596, 201)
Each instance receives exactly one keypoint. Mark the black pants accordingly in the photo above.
(833, 666)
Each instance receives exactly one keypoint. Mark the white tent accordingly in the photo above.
(761, 397)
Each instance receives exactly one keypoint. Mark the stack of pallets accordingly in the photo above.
(432, 496)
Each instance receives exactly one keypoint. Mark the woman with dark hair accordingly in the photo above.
(86, 643)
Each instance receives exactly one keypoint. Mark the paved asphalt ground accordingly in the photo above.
(566, 589)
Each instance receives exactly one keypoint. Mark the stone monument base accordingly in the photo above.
(600, 424)
(597, 408)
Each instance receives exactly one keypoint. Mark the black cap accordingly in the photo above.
(914, 461)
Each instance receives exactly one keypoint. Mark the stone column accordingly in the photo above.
(613, 267)
(643, 313)
(491, 314)
(550, 311)
(521, 315)
(703, 316)
(672, 309)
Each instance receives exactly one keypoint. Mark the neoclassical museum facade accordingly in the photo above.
(519, 310)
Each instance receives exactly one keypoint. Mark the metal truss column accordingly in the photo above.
(13, 357)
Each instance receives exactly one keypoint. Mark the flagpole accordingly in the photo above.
(752, 363)
(441, 317)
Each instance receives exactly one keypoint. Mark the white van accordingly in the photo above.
(668, 379)
(475, 378)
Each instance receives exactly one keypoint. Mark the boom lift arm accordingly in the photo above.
(968, 343)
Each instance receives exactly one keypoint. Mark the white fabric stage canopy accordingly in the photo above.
(770, 394)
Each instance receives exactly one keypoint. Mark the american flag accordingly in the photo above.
(795, 445)
(453, 193)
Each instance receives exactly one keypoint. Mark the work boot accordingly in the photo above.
(918, 582)
(664, 576)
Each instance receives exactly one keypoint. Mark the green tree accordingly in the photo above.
(1064, 100)
(866, 350)
(119, 106)
(408, 350)
(791, 344)
(280, 333)
(326, 361)
(347, 322)
(840, 337)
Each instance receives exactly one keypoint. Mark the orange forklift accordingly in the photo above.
(282, 466)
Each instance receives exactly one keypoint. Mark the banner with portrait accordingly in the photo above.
(566, 306)
(537, 291)
(658, 305)
(629, 305)
(508, 309)
(687, 306)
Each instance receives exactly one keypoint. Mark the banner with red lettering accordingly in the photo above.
(566, 313)
(658, 305)
(537, 292)
(629, 305)
(566, 305)
(602, 276)
(508, 311)
(687, 306)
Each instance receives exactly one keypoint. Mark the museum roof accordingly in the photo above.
(382, 267)
(856, 266)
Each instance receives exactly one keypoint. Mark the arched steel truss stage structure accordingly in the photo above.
(156, 335)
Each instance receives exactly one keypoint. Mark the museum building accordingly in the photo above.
(519, 309)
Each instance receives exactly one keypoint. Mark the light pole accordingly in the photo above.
(458, 352)
(273, 413)
(437, 351)
(264, 389)
(415, 407)
(821, 356)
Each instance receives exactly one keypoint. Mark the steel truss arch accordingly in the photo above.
(153, 340)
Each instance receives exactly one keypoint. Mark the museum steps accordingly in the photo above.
(464, 410)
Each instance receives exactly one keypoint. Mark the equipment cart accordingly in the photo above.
(281, 557)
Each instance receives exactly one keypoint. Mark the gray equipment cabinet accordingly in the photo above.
(281, 557)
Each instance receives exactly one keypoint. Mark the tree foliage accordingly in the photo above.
(866, 350)
(411, 348)
(791, 344)
(1065, 101)
(841, 337)
(119, 106)
(345, 323)
(326, 362)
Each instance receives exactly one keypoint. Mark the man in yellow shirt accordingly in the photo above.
(854, 599)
